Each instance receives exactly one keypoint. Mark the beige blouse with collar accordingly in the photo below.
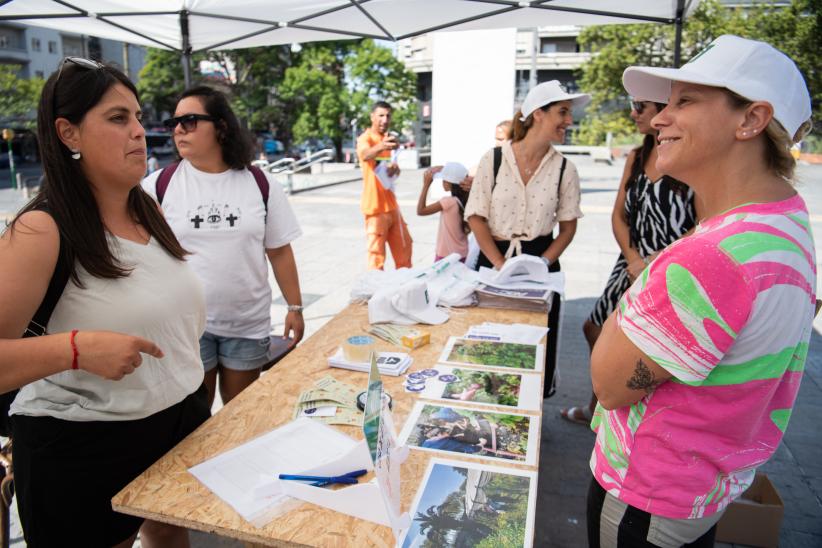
(519, 212)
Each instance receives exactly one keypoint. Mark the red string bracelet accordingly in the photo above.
(74, 352)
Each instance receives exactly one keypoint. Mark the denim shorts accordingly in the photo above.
(233, 352)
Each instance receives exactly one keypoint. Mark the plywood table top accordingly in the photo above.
(167, 492)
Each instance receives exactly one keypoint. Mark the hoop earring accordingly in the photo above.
(75, 154)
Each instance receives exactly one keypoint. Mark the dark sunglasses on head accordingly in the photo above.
(638, 106)
(189, 121)
(90, 64)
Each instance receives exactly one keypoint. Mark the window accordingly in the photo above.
(35, 44)
(4, 41)
(39, 74)
(52, 46)
(548, 47)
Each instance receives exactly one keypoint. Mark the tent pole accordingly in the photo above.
(186, 48)
(680, 10)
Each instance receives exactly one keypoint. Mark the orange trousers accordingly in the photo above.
(389, 228)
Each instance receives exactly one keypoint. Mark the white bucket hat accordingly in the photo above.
(452, 172)
(755, 70)
(547, 93)
(413, 300)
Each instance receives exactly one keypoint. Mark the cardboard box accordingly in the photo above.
(755, 518)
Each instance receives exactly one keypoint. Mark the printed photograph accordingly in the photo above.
(462, 505)
(464, 384)
(493, 354)
(452, 429)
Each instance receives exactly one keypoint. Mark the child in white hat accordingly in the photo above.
(452, 236)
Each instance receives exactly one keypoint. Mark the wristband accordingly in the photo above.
(295, 308)
(74, 353)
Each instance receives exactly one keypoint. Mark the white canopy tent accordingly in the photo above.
(189, 26)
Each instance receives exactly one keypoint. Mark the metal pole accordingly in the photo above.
(532, 81)
(680, 10)
(186, 48)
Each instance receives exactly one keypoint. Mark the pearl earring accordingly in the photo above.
(75, 154)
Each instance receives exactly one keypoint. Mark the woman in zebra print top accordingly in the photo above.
(651, 211)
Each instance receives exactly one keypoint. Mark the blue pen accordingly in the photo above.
(350, 478)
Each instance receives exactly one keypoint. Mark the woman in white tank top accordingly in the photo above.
(110, 386)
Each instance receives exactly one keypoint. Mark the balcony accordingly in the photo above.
(9, 54)
(554, 61)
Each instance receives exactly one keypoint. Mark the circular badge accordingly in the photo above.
(415, 387)
(415, 381)
(429, 372)
(448, 378)
(309, 411)
(417, 376)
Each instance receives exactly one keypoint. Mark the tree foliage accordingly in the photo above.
(335, 84)
(18, 97)
(794, 29)
(161, 79)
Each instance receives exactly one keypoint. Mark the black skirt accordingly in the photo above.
(537, 247)
(66, 472)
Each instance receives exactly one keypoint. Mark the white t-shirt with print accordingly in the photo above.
(221, 220)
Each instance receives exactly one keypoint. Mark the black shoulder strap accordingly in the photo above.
(161, 184)
(497, 164)
(57, 283)
(262, 184)
(561, 174)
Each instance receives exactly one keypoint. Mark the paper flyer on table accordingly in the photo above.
(472, 432)
(496, 354)
(477, 502)
(239, 475)
(469, 385)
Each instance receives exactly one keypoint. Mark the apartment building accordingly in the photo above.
(551, 52)
(38, 51)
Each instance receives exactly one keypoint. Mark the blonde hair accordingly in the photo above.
(778, 141)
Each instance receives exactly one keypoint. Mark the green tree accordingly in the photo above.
(794, 30)
(18, 97)
(161, 79)
(257, 75)
(335, 83)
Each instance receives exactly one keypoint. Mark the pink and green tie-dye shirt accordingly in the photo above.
(728, 312)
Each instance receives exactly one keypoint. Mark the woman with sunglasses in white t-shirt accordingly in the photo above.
(233, 219)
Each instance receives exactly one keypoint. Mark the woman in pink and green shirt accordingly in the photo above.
(698, 368)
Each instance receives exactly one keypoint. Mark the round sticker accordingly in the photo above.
(448, 378)
(310, 411)
(415, 387)
(429, 372)
(417, 376)
(415, 381)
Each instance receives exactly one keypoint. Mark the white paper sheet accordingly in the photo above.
(515, 332)
(236, 476)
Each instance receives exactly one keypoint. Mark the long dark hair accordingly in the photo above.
(461, 195)
(66, 192)
(235, 142)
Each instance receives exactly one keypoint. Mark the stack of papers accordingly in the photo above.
(330, 402)
(530, 300)
(389, 363)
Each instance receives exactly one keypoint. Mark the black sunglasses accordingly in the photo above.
(189, 121)
(638, 106)
(90, 64)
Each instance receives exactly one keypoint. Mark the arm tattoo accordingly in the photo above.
(642, 379)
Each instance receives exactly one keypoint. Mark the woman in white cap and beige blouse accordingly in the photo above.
(698, 368)
(534, 190)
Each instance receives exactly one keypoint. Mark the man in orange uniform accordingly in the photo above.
(383, 221)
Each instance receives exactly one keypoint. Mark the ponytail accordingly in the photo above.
(519, 129)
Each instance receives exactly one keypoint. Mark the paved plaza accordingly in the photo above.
(331, 255)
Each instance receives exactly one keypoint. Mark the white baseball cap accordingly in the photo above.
(547, 93)
(413, 300)
(452, 172)
(754, 70)
(380, 309)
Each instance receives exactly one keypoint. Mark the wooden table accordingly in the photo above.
(166, 492)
